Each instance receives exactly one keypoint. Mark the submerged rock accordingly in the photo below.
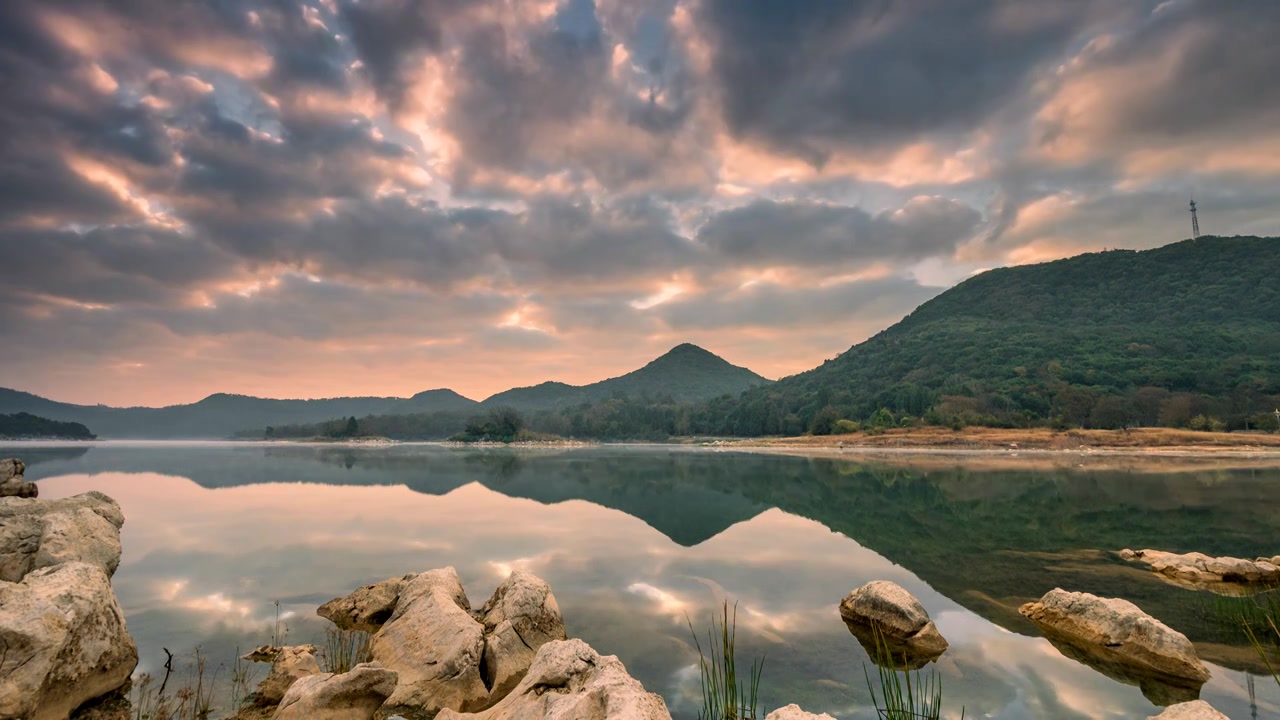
(570, 681)
(288, 665)
(37, 534)
(520, 617)
(11, 482)
(64, 641)
(1157, 688)
(901, 621)
(1118, 632)
(368, 608)
(1198, 569)
(1194, 710)
(353, 695)
(793, 712)
(435, 645)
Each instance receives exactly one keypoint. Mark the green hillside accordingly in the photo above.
(686, 373)
(1183, 335)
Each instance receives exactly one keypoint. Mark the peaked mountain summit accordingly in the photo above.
(685, 373)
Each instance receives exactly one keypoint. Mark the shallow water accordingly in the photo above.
(635, 540)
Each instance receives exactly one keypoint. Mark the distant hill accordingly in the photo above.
(686, 373)
(25, 425)
(1161, 336)
(221, 415)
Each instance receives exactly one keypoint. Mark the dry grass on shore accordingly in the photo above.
(976, 438)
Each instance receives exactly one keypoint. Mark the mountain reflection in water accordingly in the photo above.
(633, 539)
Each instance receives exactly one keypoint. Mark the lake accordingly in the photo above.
(222, 539)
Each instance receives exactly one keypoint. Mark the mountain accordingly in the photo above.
(221, 415)
(1103, 339)
(685, 373)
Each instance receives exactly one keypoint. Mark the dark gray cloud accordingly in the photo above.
(1188, 69)
(877, 302)
(874, 74)
(391, 36)
(806, 233)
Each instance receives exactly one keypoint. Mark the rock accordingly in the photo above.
(1198, 569)
(436, 647)
(11, 468)
(367, 608)
(570, 681)
(354, 695)
(11, 482)
(520, 617)
(64, 641)
(288, 665)
(901, 620)
(1118, 631)
(793, 712)
(1194, 710)
(82, 528)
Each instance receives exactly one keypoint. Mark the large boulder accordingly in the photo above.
(37, 534)
(289, 664)
(368, 608)
(1198, 569)
(436, 647)
(11, 482)
(64, 641)
(793, 712)
(353, 695)
(1118, 632)
(902, 624)
(520, 617)
(1194, 710)
(570, 681)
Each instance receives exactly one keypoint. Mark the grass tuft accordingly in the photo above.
(724, 697)
(904, 695)
(344, 649)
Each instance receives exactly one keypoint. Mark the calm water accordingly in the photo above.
(634, 539)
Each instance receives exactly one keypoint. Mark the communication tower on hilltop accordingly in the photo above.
(1195, 221)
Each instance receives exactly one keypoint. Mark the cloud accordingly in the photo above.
(1187, 89)
(876, 302)
(195, 194)
(875, 75)
(806, 233)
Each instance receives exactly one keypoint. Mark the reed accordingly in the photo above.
(724, 695)
(344, 649)
(904, 694)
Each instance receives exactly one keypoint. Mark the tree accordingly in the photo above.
(1112, 413)
(824, 421)
(353, 427)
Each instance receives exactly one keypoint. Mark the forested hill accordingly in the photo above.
(1185, 334)
(686, 373)
(23, 426)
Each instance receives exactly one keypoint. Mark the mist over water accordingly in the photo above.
(635, 540)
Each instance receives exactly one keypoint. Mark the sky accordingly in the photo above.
(315, 198)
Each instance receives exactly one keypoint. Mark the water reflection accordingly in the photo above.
(633, 539)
